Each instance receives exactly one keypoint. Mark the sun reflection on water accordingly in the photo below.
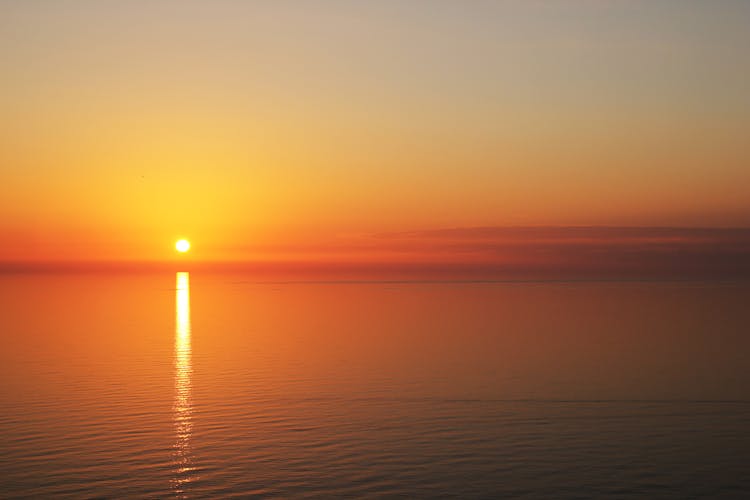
(183, 406)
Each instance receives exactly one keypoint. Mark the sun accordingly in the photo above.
(182, 246)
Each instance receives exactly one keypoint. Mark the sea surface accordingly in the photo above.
(167, 385)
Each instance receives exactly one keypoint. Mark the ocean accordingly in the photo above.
(201, 385)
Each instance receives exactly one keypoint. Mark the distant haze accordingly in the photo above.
(288, 130)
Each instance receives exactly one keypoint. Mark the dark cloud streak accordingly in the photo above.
(491, 253)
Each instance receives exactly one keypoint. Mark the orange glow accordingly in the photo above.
(124, 134)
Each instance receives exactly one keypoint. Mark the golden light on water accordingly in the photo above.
(183, 406)
(182, 246)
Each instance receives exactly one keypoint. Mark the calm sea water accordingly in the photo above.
(208, 386)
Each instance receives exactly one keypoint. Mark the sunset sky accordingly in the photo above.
(298, 129)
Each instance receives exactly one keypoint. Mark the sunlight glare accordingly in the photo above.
(183, 407)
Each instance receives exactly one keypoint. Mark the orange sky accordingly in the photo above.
(259, 130)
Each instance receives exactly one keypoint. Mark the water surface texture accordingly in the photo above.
(204, 386)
